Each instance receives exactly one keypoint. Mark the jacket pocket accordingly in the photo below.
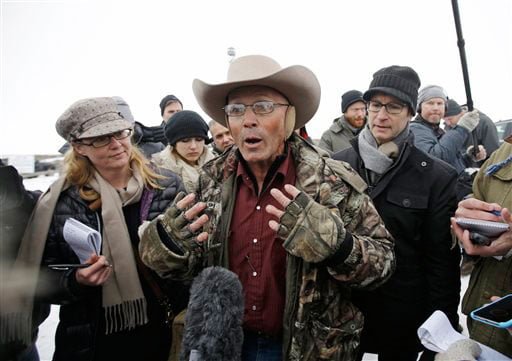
(407, 199)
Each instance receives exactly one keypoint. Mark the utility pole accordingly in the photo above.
(231, 53)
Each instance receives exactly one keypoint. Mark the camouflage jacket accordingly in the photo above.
(319, 321)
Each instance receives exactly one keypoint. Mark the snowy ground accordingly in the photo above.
(45, 342)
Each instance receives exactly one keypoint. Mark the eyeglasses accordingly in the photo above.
(103, 140)
(263, 107)
(391, 108)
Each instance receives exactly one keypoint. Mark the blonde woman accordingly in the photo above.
(187, 134)
(110, 310)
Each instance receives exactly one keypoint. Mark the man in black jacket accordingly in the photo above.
(416, 208)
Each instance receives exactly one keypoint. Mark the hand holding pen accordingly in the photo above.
(96, 274)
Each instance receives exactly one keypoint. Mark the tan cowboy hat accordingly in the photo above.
(297, 83)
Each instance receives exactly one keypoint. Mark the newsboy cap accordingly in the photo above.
(91, 117)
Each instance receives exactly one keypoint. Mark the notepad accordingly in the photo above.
(83, 239)
(486, 228)
(437, 334)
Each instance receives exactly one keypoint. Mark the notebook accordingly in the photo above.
(486, 228)
(83, 239)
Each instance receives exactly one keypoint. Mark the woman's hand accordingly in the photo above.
(96, 274)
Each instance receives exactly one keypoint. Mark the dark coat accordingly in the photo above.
(80, 332)
(149, 140)
(415, 198)
(16, 205)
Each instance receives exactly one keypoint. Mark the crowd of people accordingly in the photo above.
(342, 247)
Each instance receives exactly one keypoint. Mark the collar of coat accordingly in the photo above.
(313, 166)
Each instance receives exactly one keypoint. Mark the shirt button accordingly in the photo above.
(258, 208)
(254, 308)
(255, 274)
(255, 240)
(423, 164)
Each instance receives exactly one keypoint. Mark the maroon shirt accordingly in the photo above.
(256, 255)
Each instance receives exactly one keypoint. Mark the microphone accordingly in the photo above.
(213, 322)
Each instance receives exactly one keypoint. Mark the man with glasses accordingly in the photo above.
(296, 227)
(404, 184)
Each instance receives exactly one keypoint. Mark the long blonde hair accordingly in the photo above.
(79, 172)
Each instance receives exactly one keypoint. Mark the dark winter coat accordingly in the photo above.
(149, 140)
(415, 198)
(16, 205)
(81, 315)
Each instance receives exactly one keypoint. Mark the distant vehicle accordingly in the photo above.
(41, 166)
(504, 128)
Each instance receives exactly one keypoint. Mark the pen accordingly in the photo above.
(66, 266)
(496, 213)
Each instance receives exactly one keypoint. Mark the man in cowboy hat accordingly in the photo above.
(296, 227)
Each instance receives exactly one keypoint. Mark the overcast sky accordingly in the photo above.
(56, 52)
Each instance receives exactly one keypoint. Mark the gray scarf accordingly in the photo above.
(379, 158)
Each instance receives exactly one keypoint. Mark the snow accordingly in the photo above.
(45, 341)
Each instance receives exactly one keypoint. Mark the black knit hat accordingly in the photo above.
(401, 82)
(186, 124)
(349, 98)
(452, 108)
(166, 100)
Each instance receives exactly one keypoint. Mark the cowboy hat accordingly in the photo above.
(297, 83)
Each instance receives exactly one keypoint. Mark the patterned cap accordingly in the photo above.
(91, 117)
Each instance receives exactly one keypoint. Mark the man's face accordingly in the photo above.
(259, 137)
(432, 110)
(384, 126)
(170, 109)
(452, 120)
(355, 114)
(221, 136)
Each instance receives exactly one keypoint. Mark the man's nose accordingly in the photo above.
(250, 118)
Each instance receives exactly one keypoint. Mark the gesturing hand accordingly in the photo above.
(309, 229)
(288, 222)
(183, 218)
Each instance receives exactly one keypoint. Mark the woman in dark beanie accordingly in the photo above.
(187, 134)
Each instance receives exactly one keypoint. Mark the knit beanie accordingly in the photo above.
(166, 100)
(401, 82)
(430, 92)
(349, 98)
(185, 124)
(452, 108)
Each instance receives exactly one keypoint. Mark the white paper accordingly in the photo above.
(83, 239)
(437, 334)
